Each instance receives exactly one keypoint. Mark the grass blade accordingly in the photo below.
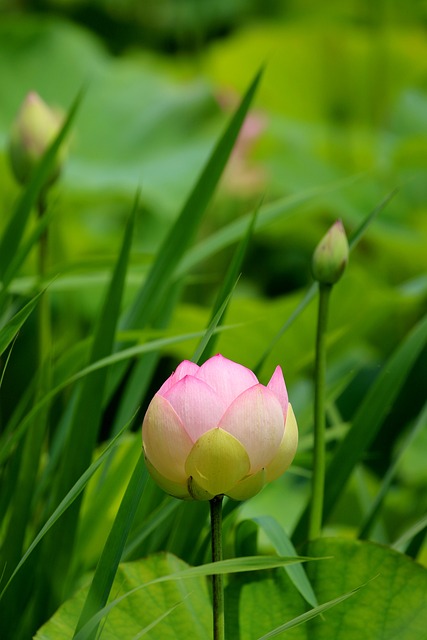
(309, 615)
(113, 549)
(284, 547)
(74, 492)
(368, 419)
(11, 328)
(180, 235)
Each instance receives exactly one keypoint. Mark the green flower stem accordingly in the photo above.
(318, 478)
(217, 580)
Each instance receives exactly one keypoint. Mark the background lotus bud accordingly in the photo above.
(215, 430)
(331, 255)
(33, 130)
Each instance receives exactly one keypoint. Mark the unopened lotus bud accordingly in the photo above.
(215, 430)
(33, 130)
(331, 255)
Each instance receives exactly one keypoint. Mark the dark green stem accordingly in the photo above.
(217, 580)
(318, 478)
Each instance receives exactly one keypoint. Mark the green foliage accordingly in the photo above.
(214, 254)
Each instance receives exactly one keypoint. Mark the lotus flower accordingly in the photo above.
(215, 430)
(33, 130)
(330, 257)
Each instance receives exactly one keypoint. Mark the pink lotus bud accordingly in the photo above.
(215, 430)
(331, 255)
(33, 130)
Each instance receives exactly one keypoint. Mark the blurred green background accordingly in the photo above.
(340, 120)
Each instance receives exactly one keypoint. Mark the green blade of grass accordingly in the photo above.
(84, 431)
(211, 329)
(182, 232)
(284, 547)
(311, 293)
(14, 231)
(11, 328)
(16, 430)
(368, 420)
(148, 304)
(113, 549)
(369, 519)
(23, 251)
(309, 615)
(150, 524)
(74, 492)
(227, 288)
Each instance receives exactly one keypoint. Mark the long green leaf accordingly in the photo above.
(182, 232)
(284, 547)
(84, 428)
(74, 492)
(369, 519)
(11, 328)
(148, 306)
(309, 615)
(227, 288)
(310, 294)
(368, 419)
(15, 432)
(113, 548)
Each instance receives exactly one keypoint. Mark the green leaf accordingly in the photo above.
(11, 328)
(310, 294)
(154, 576)
(182, 232)
(391, 603)
(225, 292)
(113, 548)
(284, 547)
(389, 476)
(74, 492)
(149, 303)
(368, 419)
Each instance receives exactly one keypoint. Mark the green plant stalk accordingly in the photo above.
(318, 477)
(217, 580)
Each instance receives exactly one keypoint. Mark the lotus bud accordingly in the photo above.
(215, 430)
(331, 255)
(33, 130)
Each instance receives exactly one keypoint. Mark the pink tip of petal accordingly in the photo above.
(185, 368)
(278, 387)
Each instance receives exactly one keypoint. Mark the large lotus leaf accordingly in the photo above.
(191, 616)
(391, 604)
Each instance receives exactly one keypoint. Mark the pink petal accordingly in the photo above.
(198, 406)
(166, 443)
(278, 387)
(256, 419)
(185, 368)
(226, 377)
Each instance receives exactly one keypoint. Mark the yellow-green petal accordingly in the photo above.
(174, 489)
(248, 487)
(217, 462)
(287, 449)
